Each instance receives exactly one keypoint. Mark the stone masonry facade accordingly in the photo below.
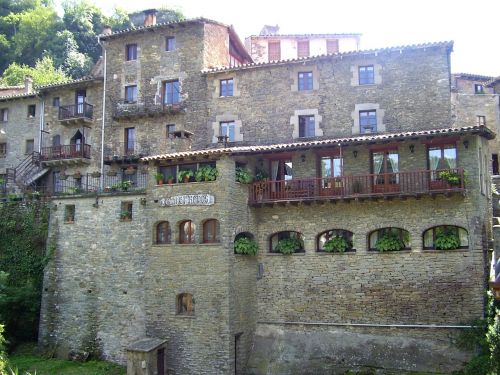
(346, 142)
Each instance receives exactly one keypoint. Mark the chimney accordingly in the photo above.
(28, 84)
(150, 17)
(106, 30)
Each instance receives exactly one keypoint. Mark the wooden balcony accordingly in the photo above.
(72, 114)
(66, 155)
(401, 184)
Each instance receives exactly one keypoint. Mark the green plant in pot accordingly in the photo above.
(206, 173)
(337, 244)
(390, 241)
(170, 179)
(246, 246)
(184, 176)
(159, 178)
(243, 175)
(453, 178)
(125, 185)
(447, 240)
(288, 246)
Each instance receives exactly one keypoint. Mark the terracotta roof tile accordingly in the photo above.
(329, 35)
(481, 130)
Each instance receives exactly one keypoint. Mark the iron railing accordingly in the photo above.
(370, 185)
(82, 110)
(65, 152)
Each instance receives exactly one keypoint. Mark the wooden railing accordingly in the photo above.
(82, 110)
(348, 187)
(65, 152)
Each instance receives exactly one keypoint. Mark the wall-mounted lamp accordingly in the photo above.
(466, 143)
(303, 158)
(355, 153)
(412, 148)
(143, 201)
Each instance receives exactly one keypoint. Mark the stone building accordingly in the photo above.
(358, 148)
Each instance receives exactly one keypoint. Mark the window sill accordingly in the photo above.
(352, 252)
(210, 244)
(367, 85)
(446, 251)
(125, 220)
(183, 316)
(389, 252)
(227, 96)
(69, 222)
(285, 255)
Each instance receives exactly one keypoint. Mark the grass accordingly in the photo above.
(26, 361)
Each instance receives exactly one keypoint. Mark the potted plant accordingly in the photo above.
(96, 174)
(125, 216)
(243, 175)
(111, 172)
(184, 176)
(77, 174)
(389, 242)
(206, 173)
(130, 170)
(246, 246)
(447, 240)
(63, 175)
(125, 185)
(451, 177)
(337, 244)
(170, 179)
(159, 178)
(288, 246)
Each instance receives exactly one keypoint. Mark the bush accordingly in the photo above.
(243, 176)
(389, 242)
(337, 244)
(288, 246)
(246, 246)
(447, 240)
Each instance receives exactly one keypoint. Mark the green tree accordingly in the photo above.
(43, 73)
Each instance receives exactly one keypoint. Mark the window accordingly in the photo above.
(171, 93)
(228, 129)
(131, 94)
(31, 110)
(385, 169)
(332, 46)
(169, 173)
(478, 89)
(305, 81)
(368, 121)
(303, 48)
(163, 232)
(129, 141)
(441, 157)
(366, 75)
(55, 101)
(170, 129)
(211, 231)
(30, 146)
(126, 211)
(445, 237)
(306, 126)
(4, 115)
(131, 52)
(3, 150)
(185, 304)
(69, 213)
(389, 239)
(170, 43)
(481, 120)
(288, 240)
(186, 232)
(334, 240)
(226, 87)
(331, 166)
(274, 52)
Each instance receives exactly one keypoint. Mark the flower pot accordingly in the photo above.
(170, 181)
(160, 182)
(129, 171)
(185, 179)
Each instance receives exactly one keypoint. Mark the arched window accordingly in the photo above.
(244, 243)
(446, 237)
(162, 232)
(286, 242)
(389, 239)
(211, 231)
(185, 304)
(186, 232)
(334, 241)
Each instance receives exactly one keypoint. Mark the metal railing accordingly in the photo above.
(76, 111)
(370, 185)
(65, 152)
(131, 150)
(150, 105)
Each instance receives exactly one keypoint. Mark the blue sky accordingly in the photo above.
(471, 25)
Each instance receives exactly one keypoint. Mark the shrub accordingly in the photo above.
(246, 246)
(389, 242)
(447, 240)
(288, 246)
(450, 177)
(243, 176)
(337, 244)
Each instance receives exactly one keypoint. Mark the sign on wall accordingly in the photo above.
(188, 200)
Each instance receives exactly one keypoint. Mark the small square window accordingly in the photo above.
(131, 94)
(126, 211)
(228, 129)
(226, 87)
(131, 52)
(30, 146)
(478, 89)
(368, 121)
(69, 213)
(3, 150)
(55, 101)
(305, 81)
(306, 126)
(303, 48)
(31, 110)
(170, 43)
(170, 130)
(366, 75)
(481, 120)
(4, 115)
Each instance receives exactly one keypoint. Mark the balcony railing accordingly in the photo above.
(150, 106)
(75, 151)
(361, 186)
(83, 111)
(126, 150)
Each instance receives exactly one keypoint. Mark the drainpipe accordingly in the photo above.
(103, 109)
(42, 117)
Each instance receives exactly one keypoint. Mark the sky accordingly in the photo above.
(384, 23)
